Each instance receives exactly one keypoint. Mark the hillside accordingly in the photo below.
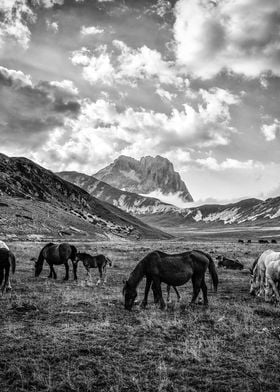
(128, 201)
(147, 175)
(24, 183)
(246, 212)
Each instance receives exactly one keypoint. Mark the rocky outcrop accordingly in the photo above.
(145, 176)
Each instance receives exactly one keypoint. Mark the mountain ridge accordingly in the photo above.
(22, 178)
(128, 201)
(144, 176)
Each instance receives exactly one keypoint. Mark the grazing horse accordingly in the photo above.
(227, 263)
(172, 269)
(7, 262)
(99, 261)
(57, 255)
(261, 274)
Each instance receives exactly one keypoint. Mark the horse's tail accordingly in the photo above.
(212, 269)
(213, 273)
(13, 262)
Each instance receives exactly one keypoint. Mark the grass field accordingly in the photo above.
(68, 336)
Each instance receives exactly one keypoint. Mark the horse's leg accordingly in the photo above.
(147, 289)
(168, 293)
(75, 265)
(204, 291)
(157, 286)
(196, 281)
(51, 271)
(274, 288)
(104, 274)
(177, 293)
(100, 276)
(9, 287)
(88, 274)
(66, 270)
(1, 277)
(262, 279)
(156, 298)
(7, 272)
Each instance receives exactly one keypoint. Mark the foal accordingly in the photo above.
(98, 261)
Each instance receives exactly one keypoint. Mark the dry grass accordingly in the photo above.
(58, 336)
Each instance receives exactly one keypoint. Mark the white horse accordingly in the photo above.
(3, 245)
(264, 276)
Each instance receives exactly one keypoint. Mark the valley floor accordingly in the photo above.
(68, 336)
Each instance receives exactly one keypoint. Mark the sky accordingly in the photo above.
(196, 81)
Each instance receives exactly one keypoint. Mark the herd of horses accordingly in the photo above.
(157, 267)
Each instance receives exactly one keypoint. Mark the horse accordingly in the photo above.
(227, 263)
(57, 255)
(7, 262)
(98, 261)
(172, 269)
(3, 245)
(258, 277)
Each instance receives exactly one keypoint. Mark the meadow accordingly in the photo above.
(76, 336)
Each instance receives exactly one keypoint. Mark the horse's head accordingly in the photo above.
(38, 266)
(129, 294)
(254, 283)
(109, 262)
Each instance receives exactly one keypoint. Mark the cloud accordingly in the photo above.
(91, 30)
(125, 65)
(30, 111)
(228, 164)
(271, 131)
(52, 26)
(103, 131)
(17, 15)
(242, 36)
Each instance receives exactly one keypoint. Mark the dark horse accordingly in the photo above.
(7, 262)
(98, 261)
(174, 270)
(57, 255)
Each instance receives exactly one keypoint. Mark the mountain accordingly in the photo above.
(35, 200)
(128, 201)
(144, 176)
(247, 212)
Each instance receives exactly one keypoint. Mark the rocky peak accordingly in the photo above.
(147, 175)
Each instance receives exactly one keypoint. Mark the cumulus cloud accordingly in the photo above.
(17, 15)
(212, 164)
(103, 131)
(242, 36)
(91, 30)
(271, 131)
(127, 66)
(30, 111)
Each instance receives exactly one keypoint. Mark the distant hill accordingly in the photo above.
(128, 201)
(40, 193)
(246, 212)
(145, 176)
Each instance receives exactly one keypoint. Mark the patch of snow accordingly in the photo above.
(228, 216)
(198, 216)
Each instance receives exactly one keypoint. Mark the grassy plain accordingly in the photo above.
(68, 336)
